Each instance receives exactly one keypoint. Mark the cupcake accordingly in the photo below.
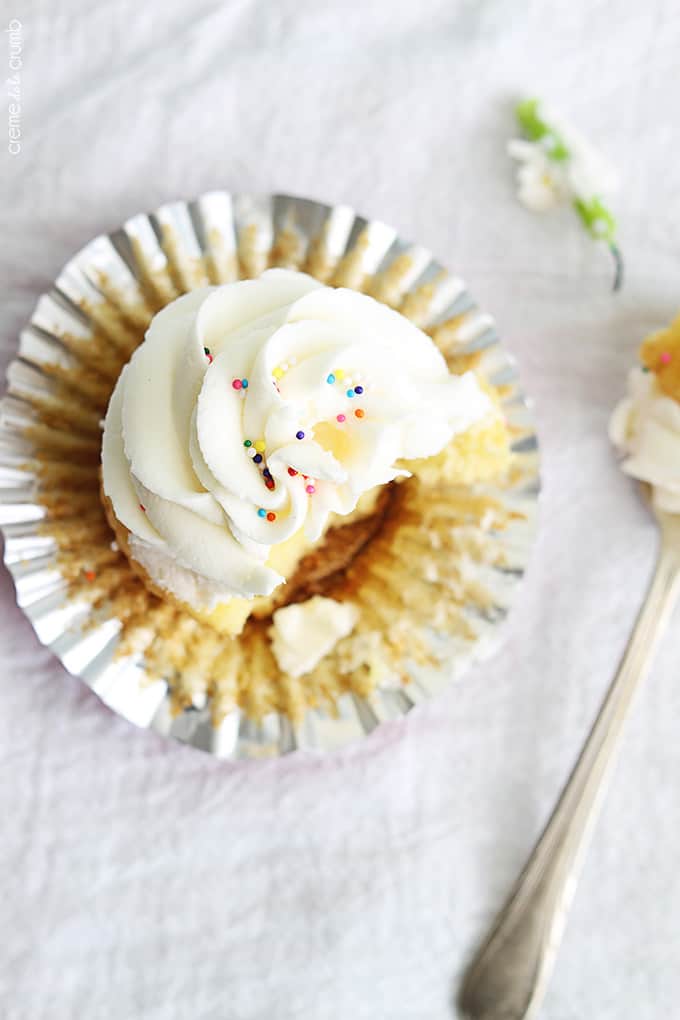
(255, 418)
(306, 492)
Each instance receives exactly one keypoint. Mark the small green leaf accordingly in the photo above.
(597, 219)
(533, 126)
(560, 152)
(538, 130)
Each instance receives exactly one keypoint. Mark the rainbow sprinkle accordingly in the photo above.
(271, 516)
(206, 351)
(665, 357)
(300, 435)
(239, 384)
(330, 379)
(310, 489)
(359, 390)
(261, 512)
(359, 413)
(340, 418)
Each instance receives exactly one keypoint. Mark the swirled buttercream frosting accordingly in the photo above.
(260, 408)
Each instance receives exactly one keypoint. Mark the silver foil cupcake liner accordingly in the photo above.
(217, 238)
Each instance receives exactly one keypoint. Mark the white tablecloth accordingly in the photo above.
(146, 880)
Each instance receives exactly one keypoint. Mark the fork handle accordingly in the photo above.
(508, 977)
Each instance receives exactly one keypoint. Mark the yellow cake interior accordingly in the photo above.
(660, 353)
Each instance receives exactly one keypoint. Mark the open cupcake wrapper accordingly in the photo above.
(218, 238)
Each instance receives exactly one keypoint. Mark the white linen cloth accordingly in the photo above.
(146, 880)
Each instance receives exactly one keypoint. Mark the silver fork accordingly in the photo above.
(509, 974)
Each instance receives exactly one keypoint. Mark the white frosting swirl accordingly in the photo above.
(339, 388)
(646, 427)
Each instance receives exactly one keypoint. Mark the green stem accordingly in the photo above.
(618, 264)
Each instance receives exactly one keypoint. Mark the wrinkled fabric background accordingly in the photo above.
(144, 880)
